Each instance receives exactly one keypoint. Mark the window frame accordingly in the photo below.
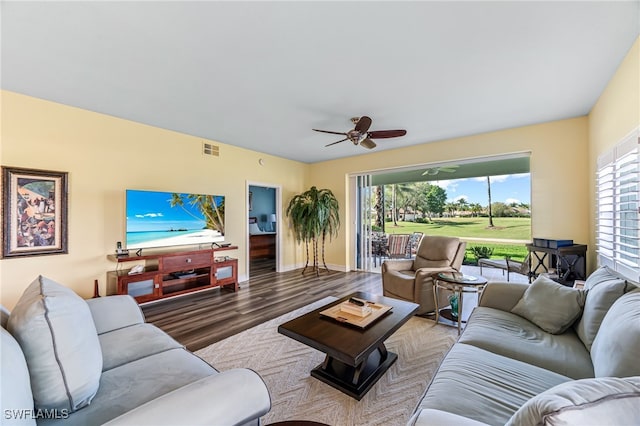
(618, 207)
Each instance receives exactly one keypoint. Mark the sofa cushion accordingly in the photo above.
(484, 386)
(616, 347)
(605, 401)
(127, 387)
(603, 273)
(55, 330)
(512, 336)
(549, 305)
(601, 294)
(15, 390)
(128, 344)
(4, 316)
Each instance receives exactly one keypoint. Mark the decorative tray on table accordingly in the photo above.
(342, 313)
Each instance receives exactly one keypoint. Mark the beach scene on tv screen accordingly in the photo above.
(161, 219)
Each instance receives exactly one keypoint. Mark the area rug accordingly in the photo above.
(284, 364)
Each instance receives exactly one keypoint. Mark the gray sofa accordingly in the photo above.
(75, 362)
(543, 354)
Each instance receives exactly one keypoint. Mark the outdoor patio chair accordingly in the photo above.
(506, 264)
(397, 246)
(412, 279)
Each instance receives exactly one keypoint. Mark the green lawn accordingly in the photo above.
(506, 228)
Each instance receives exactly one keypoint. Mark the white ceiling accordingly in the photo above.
(261, 75)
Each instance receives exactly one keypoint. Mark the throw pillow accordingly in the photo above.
(603, 273)
(599, 299)
(609, 400)
(549, 305)
(55, 330)
(616, 347)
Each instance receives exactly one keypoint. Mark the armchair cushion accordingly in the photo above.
(549, 305)
(436, 252)
(400, 283)
(55, 330)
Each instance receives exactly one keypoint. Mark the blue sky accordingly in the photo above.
(506, 188)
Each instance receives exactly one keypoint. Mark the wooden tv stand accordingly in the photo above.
(173, 273)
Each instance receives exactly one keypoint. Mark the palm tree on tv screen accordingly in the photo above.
(211, 210)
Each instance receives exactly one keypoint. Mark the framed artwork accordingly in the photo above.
(250, 200)
(34, 212)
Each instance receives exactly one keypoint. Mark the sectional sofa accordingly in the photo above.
(75, 362)
(543, 354)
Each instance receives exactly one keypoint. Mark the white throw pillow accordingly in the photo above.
(549, 305)
(55, 330)
(605, 401)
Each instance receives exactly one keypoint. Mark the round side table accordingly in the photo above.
(459, 284)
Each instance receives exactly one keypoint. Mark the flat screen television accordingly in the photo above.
(162, 219)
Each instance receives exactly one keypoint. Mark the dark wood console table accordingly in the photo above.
(570, 262)
(173, 273)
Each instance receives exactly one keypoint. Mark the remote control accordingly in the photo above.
(356, 301)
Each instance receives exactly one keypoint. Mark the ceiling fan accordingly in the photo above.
(361, 135)
(435, 170)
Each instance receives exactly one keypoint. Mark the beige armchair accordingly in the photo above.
(412, 279)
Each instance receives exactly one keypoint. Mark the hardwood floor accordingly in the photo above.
(198, 320)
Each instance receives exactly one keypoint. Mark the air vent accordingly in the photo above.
(210, 149)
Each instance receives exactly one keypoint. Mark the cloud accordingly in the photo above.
(142, 216)
(511, 201)
(449, 185)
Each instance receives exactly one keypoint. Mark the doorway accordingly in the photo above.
(401, 201)
(263, 207)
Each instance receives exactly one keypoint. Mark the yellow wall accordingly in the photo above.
(104, 156)
(559, 176)
(615, 115)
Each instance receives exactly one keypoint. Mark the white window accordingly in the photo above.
(618, 207)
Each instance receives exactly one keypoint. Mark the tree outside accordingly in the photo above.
(503, 226)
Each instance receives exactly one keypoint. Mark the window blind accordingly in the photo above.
(618, 207)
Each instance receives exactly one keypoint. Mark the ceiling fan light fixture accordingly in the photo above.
(360, 134)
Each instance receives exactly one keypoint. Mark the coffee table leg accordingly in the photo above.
(355, 381)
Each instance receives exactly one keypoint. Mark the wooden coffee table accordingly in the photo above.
(355, 358)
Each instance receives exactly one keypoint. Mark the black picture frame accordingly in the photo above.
(34, 212)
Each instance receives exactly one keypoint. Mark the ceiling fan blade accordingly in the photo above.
(363, 124)
(381, 134)
(328, 131)
(333, 143)
(368, 143)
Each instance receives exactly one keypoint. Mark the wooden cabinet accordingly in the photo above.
(174, 273)
(262, 246)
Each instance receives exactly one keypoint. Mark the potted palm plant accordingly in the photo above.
(314, 216)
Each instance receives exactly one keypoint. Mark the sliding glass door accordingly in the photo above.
(364, 193)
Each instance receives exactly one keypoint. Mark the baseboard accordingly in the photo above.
(332, 267)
